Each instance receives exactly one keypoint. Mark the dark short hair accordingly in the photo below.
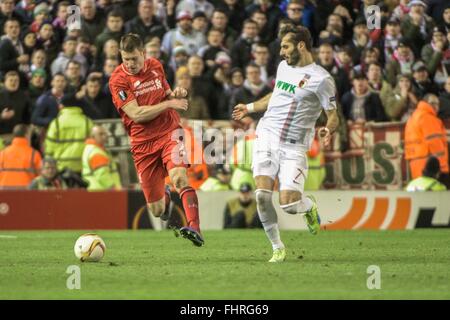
(130, 42)
(298, 34)
(115, 14)
(20, 130)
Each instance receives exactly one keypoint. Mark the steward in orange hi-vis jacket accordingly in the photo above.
(425, 136)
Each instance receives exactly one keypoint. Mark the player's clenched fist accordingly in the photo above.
(239, 111)
(179, 92)
(179, 104)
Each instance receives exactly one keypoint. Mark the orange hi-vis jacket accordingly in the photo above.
(19, 164)
(425, 136)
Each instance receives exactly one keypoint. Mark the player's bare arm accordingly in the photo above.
(326, 132)
(142, 114)
(241, 110)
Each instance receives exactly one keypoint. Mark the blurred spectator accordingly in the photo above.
(368, 55)
(421, 81)
(179, 58)
(48, 104)
(436, 54)
(99, 168)
(38, 60)
(110, 51)
(429, 179)
(401, 63)
(68, 53)
(183, 35)
(401, 10)
(316, 167)
(219, 179)
(36, 86)
(343, 60)
(235, 12)
(197, 105)
(113, 30)
(67, 133)
(272, 11)
(237, 79)
(219, 77)
(425, 136)
(73, 76)
(444, 98)
(29, 41)
(49, 178)
(92, 20)
(192, 6)
(40, 15)
(390, 41)
(294, 11)
(241, 212)
(19, 163)
(241, 52)
(153, 50)
(446, 18)
(60, 21)
(417, 26)
(264, 34)
(383, 88)
(219, 21)
(199, 22)
(6, 12)
(97, 104)
(326, 60)
(15, 106)
(200, 83)
(252, 90)
(46, 40)
(361, 104)
(12, 54)
(214, 45)
(334, 31)
(405, 100)
(145, 24)
(261, 57)
(360, 39)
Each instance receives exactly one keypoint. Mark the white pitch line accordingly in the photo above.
(2, 236)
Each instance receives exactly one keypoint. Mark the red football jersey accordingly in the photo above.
(148, 87)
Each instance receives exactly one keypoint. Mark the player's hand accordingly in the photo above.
(7, 114)
(325, 136)
(239, 111)
(178, 93)
(179, 104)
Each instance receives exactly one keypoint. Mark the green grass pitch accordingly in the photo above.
(232, 265)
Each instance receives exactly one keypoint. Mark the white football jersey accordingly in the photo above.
(297, 100)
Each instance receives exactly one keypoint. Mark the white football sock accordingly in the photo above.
(268, 217)
(300, 206)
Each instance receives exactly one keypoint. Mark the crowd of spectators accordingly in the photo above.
(223, 51)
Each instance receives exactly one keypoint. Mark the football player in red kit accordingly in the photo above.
(148, 107)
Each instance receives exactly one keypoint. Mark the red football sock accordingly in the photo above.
(190, 204)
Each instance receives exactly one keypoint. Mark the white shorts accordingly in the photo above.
(287, 161)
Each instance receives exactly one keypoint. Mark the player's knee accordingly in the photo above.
(180, 182)
(155, 209)
(263, 199)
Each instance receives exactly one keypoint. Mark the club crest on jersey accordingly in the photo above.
(122, 95)
(303, 82)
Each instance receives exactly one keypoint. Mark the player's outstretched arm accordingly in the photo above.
(241, 110)
(326, 132)
(141, 114)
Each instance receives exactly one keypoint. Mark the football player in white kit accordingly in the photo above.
(286, 131)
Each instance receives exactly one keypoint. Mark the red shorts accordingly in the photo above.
(153, 160)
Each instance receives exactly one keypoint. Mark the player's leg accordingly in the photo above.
(292, 176)
(265, 167)
(268, 216)
(189, 199)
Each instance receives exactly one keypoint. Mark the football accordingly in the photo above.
(89, 248)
